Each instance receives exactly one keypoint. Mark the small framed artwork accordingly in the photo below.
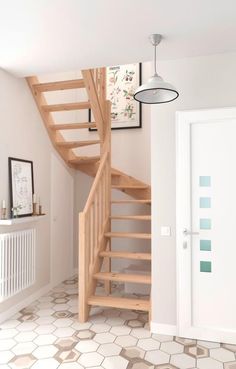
(121, 83)
(21, 180)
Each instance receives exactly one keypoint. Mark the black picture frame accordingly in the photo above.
(140, 111)
(21, 189)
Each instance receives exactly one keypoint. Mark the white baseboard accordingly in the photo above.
(21, 305)
(168, 329)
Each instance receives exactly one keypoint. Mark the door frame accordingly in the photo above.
(184, 120)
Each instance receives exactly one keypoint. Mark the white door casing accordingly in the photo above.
(206, 183)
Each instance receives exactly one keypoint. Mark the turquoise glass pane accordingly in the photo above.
(205, 266)
(205, 223)
(205, 245)
(205, 202)
(204, 181)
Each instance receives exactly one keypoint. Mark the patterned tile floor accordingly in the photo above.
(47, 335)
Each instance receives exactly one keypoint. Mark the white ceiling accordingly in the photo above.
(45, 36)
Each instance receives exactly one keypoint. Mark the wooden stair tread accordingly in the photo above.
(74, 144)
(126, 255)
(119, 302)
(58, 127)
(137, 187)
(146, 236)
(59, 85)
(130, 217)
(67, 106)
(122, 277)
(84, 159)
(131, 201)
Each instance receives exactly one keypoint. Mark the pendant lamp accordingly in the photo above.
(156, 90)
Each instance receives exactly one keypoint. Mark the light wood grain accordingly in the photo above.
(121, 277)
(144, 236)
(66, 107)
(118, 302)
(59, 85)
(66, 126)
(126, 255)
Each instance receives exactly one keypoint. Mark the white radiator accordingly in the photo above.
(17, 262)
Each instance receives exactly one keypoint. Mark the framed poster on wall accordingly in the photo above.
(21, 186)
(121, 83)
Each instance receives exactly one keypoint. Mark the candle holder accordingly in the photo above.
(3, 213)
(40, 209)
(34, 208)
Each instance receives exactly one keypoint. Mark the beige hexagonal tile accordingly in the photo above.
(67, 356)
(172, 347)
(157, 357)
(148, 344)
(196, 351)
(135, 323)
(100, 327)
(67, 343)
(209, 363)
(140, 364)
(130, 353)
(121, 330)
(86, 346)
(185, 341)
(140, 333)
(104, 337)
(22, 361)
(109, 349)
(221, 354)
(126, 341)
(230, 365)
(84, 335)
(183, 361)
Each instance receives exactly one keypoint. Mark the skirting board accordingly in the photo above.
(21, 305)
(168, 329)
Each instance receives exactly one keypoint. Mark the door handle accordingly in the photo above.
(187, 232)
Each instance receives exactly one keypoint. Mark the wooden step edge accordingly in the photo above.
(74, 144)
(59, 85)
(126, 255)
(66, 126)
(123, 187)
(84, 159)
(122, 277)
(66, 107)
(130, 217)
(131, 201)
(146, 236)
(119, 302)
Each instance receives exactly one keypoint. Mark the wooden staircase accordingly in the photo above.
(95, 222)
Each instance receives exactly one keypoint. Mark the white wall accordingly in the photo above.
(203, 82)
(24, 136)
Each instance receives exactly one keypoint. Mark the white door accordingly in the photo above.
(206, 224)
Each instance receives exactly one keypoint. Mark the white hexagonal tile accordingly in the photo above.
(183, 361)
(45, 299)
(140, 333)
(162, 337)
(7, 344)
(97, 319)
(25, 336)
(91, 359)
(81, 326)
(86, 346)
(64, 332)
(157, 357)
(45, 339)
(100, 328)
(72, 366)
(104, 337)
(222, 354)
(115, 321)
(208, 344)
(26, 326)
(45, 320)
(109, 349)
(45, 312)
(126, 341)
(172, 347)
(6, 356)
(45, 363)
(24, 348)
(209, 363)
(148, 344)
(45, 329)
(63, 322)
(115, 362)
(8, 333)
(121, 330)
(44, 352)
(10, 324)
(60, 307)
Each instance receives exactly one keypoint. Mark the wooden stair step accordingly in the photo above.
(74, 144)
(131, 201)
(58, 127)
(126, 255)
(84, 159)
(119, 302)
(67, 106)
(130, 217)
(119, 277)
(146, 236)
(59, 85)
(135, 187)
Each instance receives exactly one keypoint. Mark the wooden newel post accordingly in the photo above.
(83, 271)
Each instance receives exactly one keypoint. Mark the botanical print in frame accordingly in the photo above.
(121, 83)
(21, 186)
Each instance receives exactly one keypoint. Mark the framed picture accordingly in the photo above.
(21, 180)
(121, 83)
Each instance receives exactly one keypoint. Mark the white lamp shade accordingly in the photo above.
(156, 91)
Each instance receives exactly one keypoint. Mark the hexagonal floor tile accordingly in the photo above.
(128, 315)
(91, 359)
(109, 349)
(209, 363)
(73, 366)
(84, 335)
(7, 344)
(86, 346)
(157, 357)
(130, 353)
(6, 356)
(229, 347)
(230, 365)
(166, 366)
(24, 348)
(67, 356)
(140, 333)
(172, 347)
(25, 337)
(196, 351)
(45, 329)
(64, 332)
(45, 339)
(45, 363)
(208, 344)
(162, 337)
(61, 314)
(120, 330)
(185, 341)
(126, 341)
(134, 323)
(115, 362)
(183, 361)
(104, 337)
(22, 361)
(221, 354)
(44, 352)
(140, 364)
(148, 344)
(67, 343)
(100, 327)
(8, 333)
